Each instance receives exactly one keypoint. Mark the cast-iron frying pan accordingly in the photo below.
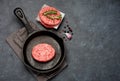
(37, 37)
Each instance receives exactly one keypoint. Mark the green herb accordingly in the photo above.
(58, 17)
(55, 17)
(50, 12)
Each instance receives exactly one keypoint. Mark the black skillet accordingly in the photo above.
(37, 37)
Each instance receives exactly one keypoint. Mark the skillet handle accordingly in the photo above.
(21, 16)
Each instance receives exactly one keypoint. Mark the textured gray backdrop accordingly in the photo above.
(93, 53)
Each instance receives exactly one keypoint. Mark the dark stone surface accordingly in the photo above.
(93, 53)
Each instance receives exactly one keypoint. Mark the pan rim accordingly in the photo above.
(62, 58)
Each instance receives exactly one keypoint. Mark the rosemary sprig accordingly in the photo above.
(50, 12)
(55, 17)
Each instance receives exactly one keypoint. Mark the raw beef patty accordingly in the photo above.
(43, 52)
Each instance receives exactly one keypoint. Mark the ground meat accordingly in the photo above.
(43, 52)
(46, 20)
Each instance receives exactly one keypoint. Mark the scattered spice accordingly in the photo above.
(67, 25)
(63, 37)
(64, 26)
(70, 29)
(67, 32)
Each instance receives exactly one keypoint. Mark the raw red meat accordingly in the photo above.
(43, 52)
(47, 26)
(48, 21)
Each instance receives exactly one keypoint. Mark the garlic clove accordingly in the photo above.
(68, 35)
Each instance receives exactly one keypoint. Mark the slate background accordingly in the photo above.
(93, 53)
